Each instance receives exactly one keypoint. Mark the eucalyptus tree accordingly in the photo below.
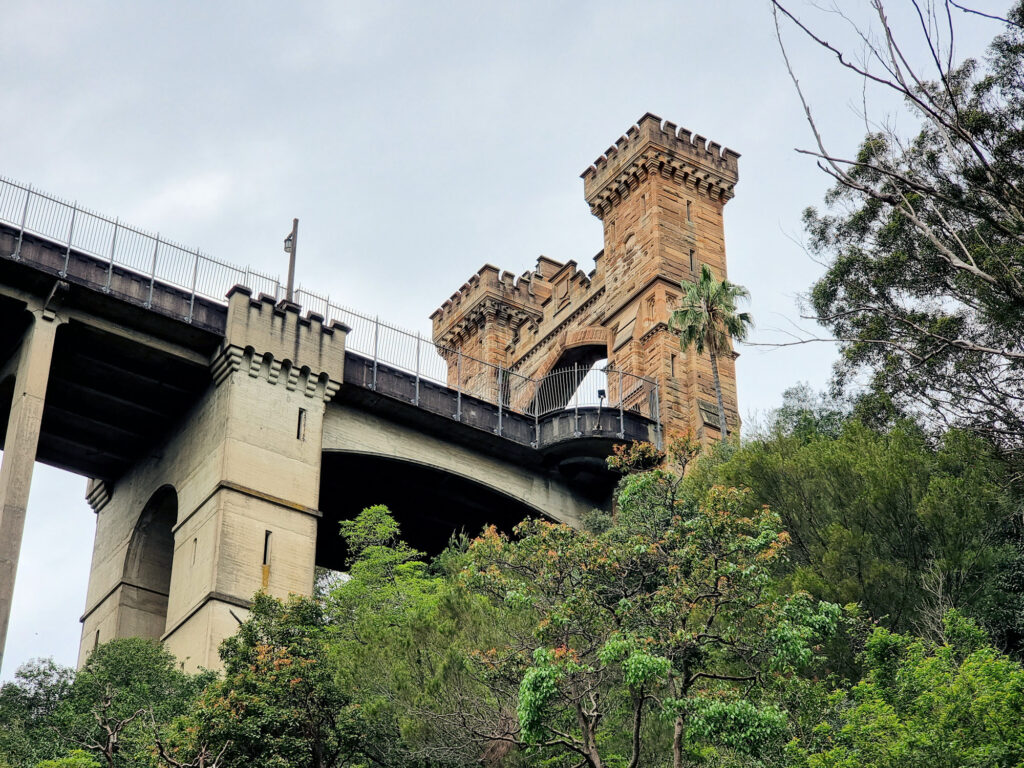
(922, 234)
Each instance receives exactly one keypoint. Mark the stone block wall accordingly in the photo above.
(660, 192)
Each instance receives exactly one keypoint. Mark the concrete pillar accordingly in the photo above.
(23, 427)
(245, 468)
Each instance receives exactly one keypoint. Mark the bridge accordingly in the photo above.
(225, 431)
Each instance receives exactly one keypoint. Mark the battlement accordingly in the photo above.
(489, 280)
(279, 331)
(520, 300)
(654, 145)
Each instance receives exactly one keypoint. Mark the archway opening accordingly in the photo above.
(429, 504)
(147, 569)
(561, 386)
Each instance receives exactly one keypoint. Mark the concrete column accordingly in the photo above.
(23, 427)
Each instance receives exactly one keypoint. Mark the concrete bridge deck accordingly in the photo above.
(132, 369)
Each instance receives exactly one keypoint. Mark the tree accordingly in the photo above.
(125, 685)
(77, 758)
(670, 616)
(924, 237)
(403, 633)
(707, 319)
(278, 704)
(27, 706)
(904, 525)
(924, 705)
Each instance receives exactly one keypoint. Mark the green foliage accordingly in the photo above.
(277, 704)
(403, 634)
(107, 708)
(676, 631)
(924, 241)
(707, 320)
(901, 524)
(77, 758)
(664, 628)
(923, 705)
(27, 706)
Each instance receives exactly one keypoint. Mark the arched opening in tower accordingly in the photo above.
(430, 505)
(147, 569)
(575, 379)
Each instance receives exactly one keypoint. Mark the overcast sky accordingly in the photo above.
(415, 141)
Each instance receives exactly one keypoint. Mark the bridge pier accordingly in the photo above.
(244, 468)
(32, 373)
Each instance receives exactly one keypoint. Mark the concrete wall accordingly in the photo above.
(347, 429)
(242, 463)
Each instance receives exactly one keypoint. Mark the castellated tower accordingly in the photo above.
(659, 191)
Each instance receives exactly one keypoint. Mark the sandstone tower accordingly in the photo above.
(659, 191)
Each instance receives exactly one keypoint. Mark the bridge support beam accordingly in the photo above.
(244, 466)
(23, 427)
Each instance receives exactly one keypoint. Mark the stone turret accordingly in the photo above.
(653, 146)
(659, 191)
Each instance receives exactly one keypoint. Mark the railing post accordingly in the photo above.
(376, 341)
(576, 398)
(657, 413)
(195, 279)
(417, 398)
(24, 217)
(500, 369)
(71, 235)
(113, 247)
(536, 422)
(622, 415)
(458, 385)
(152, 273)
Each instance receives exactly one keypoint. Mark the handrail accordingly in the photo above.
(75, 228)
(160, 260)
(559, 390)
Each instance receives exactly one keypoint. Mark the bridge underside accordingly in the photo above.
(120, 377)
(430, 505)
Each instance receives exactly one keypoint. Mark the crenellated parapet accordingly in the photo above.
(660, 192)
(652, 147)
(490, 295)
(276, 343)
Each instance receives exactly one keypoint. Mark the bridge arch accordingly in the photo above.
(430, 503)
(146, 578)
(365, 457)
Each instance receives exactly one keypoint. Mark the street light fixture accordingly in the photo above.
(290, 244)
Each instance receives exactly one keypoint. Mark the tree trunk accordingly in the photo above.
(638, 709)
(718, 393)
(677, 744)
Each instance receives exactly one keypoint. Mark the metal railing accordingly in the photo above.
(161, 261)
(157, 259)
(568, 389)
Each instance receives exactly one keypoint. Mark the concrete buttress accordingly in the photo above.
(241, 478)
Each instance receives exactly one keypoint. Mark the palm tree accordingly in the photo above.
(707, 319)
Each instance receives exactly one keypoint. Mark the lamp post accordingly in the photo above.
(290, 244)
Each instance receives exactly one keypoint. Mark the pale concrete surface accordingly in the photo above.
(31, 376)
(244, 466)
(348, 429)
